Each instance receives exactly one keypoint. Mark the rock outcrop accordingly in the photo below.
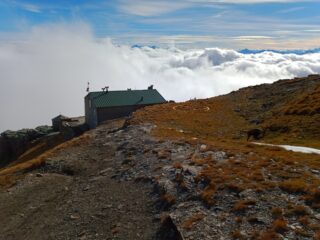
(15, 143)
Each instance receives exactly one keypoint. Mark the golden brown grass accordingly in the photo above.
(277, 212)
(302, 232)
(168, 199)
(208, 195)
(294, 185)
(304, 220)
(268, 235)
(221, 123)
(237, 235)
(216, 118)
(313, 197)
(172, 118)
(218, 133)
(238, 220)
(253, 220)
(179, 178)
(189, 222)
(7, 180)
(299, 210)
(280, 225)
(243, 205)
(317, 235)
(177, 165)
(306, 104)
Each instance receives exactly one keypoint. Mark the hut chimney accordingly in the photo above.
(106, 88)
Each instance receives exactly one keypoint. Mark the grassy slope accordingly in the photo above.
(290, 111)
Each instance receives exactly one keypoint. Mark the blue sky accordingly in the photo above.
(285, 24)
(60, 45)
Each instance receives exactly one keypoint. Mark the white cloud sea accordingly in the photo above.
(45, 73)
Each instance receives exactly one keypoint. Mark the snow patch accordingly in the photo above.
(292, 148)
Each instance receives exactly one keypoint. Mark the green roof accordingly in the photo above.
(125, 98)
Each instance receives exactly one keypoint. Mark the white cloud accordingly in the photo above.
(290, 10)
(46, 73)
(155, 8)
(27, 6)
(151, 8)
(312, 30)
(251, 38)
(32, 8)
(249, 1)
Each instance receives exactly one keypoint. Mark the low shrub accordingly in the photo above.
(299, 210)
(208, 194)
(277, 212)
(280, 225)
(294, 186)
(243, 205)
(237, 235)
(268, 235)
(188, 223)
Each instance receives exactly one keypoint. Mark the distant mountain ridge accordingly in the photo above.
(254, 51)
(141, 46)
(297, 51)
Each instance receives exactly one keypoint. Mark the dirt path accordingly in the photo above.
(75, 196)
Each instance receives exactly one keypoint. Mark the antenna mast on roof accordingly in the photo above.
(88, 87)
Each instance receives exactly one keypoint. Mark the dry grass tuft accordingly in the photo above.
(304, 220)
(7, 180)
(299, 210)
(208, 195)
(306, 104)
(189, 223)
(280, 225)
(268, 235)
(237, 235)
(235, 187)
(313, 197)
(294, 185)
(179, 178)
(277, 212)
(253, 220)
(238, 220)
(168, 200)
(243, 205)
(177, 165)
(302, 232)
(316, 235)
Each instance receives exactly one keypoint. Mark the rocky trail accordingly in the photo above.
(74, 196)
